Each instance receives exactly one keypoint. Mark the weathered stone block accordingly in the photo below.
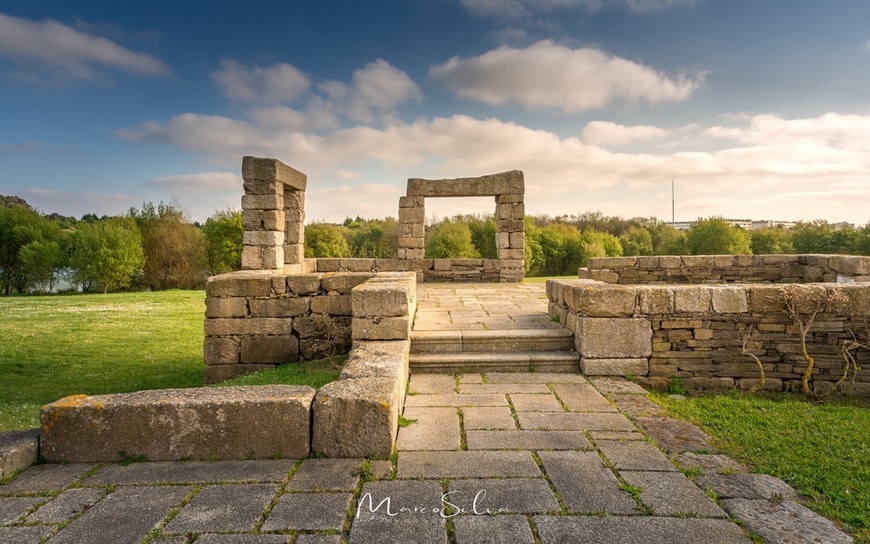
(356, 417)
(279, 307)
(491, 185)
(510, 225)
(332, 305)
(252, 258)
(411, 242)
(357, 265)
(614, 367)
(269, 349)
(304, 284)
(670, 261)
(344, 282)
(613, 338)
(262, 202)
(612, 263)
(273, 258)
(518, 239)
(605, 276)
(411, 230)
(252, 219)
(602, 300)
(729, 300)
(220, 350)
(18, 450)
(171, 424)
(709, 383)
(220, 373)
(294, 233)
(414, 254)
(411, 201)
(254, 187)
(697, 261)
(412, 215)
(502, 240)
(692, 299)
(226, 307)
(381, 299)
(385, 328)
(262, 169)
(655, 300)
(511, 254)
(255, 325)
(240, 284)
(315, 325)
(294, 253)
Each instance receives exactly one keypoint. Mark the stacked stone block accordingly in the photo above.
(272, 214)
(697, 332)
(671, 269)
(508, 189)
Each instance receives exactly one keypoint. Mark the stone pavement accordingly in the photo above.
(515, 457)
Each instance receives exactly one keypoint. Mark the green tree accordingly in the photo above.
(40, 261)
(223, 235)
(108, 253)
(175, 254)
(715, 236)
(636, 241)
(562, 249)
(483, 236)
(812, 237)
(326, 240)
(771, 240)
(21, 226)
(374, 238)
(534, 255)
(450, 240)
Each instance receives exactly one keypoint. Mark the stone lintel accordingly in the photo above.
(261, 169)
(490, 185)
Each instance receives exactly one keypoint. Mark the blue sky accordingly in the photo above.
(756, 109)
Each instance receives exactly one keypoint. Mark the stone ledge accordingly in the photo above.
(248, 422)
(18, 450)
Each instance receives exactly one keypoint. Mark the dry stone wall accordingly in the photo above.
(698, 332)
(728, 269)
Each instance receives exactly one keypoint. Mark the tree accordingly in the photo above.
(534, 255)
(40, 261)
(374, 238)
(483, 236)
(326, 240)
(450, 240)
(562, 250)
(20, 226)
(108, 253)
(223, 236)
(175, 254)
(771, 240)
(715, 236)
(812, 237)
(636, 241)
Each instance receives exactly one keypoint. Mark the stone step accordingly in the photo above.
(503, 361)
(520, 340)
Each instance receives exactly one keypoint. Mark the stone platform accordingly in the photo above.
(511, 457)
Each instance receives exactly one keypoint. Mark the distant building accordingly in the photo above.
(752, 224)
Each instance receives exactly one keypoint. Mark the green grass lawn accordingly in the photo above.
(54, 346)
(822, 450)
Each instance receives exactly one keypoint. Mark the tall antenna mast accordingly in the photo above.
(673, 204)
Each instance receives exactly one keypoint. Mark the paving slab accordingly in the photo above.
(575, 421)
(672, 494)
(467, 464)
(616, 435)
(49, 477)
(637, 530)
(318, 539)
(222, 508)
(631, 455)
(238, 539)
(585, 484)
(470, 378)
(636, 405)
(399, 511)
(12, 508)
(745, 486)
(432, 384)
(535, 403)
(527, 440)
(24, 535)
(380, 470)
(476, 388)
(534, 377)
(429, 428)
(502, 496)
(326, 475)
(675, 435)
(124, 516)
(193, 472)
(67, 505)
(309, 512)
(582, 398)
(497, 417)
(492, 530)
(785, 521)
(456, 400)
(712, 463)
(617, 386)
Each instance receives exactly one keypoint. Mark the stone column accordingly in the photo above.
(412, 213)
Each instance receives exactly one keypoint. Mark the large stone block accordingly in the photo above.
(269, 349)
(304, 284)
(332, 305)
(357, 265)
(18, 450)
(256, 187)
(602, 300)
(612, 263)
(614, 367)
(293, 253)
(262, 202)
(255, 325)
(226, 307)
(655, 299)
(263, 238)
(412, 215)
(377, 299)
(729, 300)
(383, 328)
(492, 185)
(613, 338)
(248, 283)
(279, 307)
(263, 169)
(344, 282)
(692, 299)
(356, 417)
(252, 422)
(220, 350)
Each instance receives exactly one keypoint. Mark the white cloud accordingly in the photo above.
(49, 50)
(273, 84)
(606, 133)
(550, 76)
(376, 89)
(779, 168)
(195, 183)
(516, 10)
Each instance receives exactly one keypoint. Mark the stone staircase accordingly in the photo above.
(509, 350)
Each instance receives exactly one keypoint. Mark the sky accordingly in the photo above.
(752, 109)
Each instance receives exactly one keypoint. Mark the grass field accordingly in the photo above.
(822, 450)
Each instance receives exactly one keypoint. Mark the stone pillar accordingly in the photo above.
(272, 214)
(510, 237)
(412, 213)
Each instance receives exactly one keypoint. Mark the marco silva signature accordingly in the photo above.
(447, 509)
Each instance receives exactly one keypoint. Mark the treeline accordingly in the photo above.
(157, 247)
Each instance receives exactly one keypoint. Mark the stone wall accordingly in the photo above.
(428, 270)
(668, 269)
(697, 332)
(508, 188)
